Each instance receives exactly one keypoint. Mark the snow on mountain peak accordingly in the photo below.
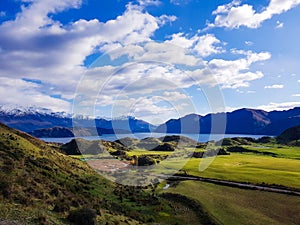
(18, 110)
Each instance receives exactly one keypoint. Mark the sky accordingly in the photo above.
(152, 59)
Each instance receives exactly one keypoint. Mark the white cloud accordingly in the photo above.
(37, 47)
(249, 43)
(235, 73)
(279, 106)
(147, 77)
(20, 92)
(279, 25)
(33, 38)
(296, 95)
(204, 45)
(179, 39)
(235, 15)
(161, 73)
(164, 106)
(274, 86)
(298, 81)
(168, 53)
(149, 2)
(173, 96)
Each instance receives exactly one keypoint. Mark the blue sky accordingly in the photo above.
(151, 59)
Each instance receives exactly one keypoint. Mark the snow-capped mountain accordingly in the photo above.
(16, 110)
(30, 118)
(33, 118)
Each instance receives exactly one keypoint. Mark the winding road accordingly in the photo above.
(234, 184)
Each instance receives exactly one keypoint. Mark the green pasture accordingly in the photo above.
(229, 205)
(251, 168)
(281, 151)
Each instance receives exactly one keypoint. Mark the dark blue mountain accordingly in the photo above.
(242, 121)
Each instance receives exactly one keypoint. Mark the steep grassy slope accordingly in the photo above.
(39, 185)
(36, 176)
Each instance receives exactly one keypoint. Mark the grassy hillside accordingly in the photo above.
(290, 136)
(40, 185)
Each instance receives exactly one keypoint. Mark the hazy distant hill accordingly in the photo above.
(58, 132)
(54, 132)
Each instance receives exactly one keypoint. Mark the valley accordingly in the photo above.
(247, 181)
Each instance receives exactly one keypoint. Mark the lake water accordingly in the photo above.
(113, 137)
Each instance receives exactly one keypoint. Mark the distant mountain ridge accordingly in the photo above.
(241, 121)
(36, 120)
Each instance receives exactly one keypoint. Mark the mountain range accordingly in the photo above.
(42, 122)
(241, 121)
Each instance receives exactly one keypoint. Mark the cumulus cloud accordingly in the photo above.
(152, 67)
(204, 45)
(274, 86)
(279, 106)
(35, 46)
(147, 86)
(235, 15)
(236, 73)
(18, 91)
(33, 43)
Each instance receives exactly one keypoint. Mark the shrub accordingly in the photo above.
(145, 160)
(61, 206)
(84, 216)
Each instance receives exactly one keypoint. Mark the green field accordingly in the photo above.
(256, 168)
(252, 162)
(281, 151)
(229, 205)
(250, 168)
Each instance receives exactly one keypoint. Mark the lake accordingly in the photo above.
(113, 137)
